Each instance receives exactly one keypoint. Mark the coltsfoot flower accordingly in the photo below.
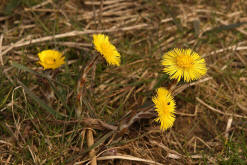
(184, 64)
(51, 59)
(165, 106)
(106, 49)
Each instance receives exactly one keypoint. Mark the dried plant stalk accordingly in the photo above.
(80, 86)
(90, 142)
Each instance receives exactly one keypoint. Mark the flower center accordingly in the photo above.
(165, 108)
(105, 47)
(184, 61)
(50, 60)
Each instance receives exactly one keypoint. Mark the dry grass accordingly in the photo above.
(37, 109)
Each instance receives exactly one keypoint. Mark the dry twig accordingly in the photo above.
(218, 111)
(90, 142)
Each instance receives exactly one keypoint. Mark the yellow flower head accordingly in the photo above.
(184, 63)
(106, 49)
(165, 106)
(50, 59)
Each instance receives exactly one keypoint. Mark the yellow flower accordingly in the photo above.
(106, 49)
(51, 59)
(184, 63)
(165, 106)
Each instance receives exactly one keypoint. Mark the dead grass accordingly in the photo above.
(37, 109)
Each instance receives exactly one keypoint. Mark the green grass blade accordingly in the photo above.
(21, 67)
(41, 102)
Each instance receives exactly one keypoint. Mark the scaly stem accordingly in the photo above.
(80, 85)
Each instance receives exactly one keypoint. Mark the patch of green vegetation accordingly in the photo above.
(30, 3)
(10, 6)
(235, 151)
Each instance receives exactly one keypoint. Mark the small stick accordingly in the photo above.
(173, 85)
(21, 42)
(90, 142)
(228, 126)
(1, 42)
(218, 111)
(183, 87)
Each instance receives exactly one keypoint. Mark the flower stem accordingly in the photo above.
(80, 85)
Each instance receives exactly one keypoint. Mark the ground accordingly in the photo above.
(39, 108)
